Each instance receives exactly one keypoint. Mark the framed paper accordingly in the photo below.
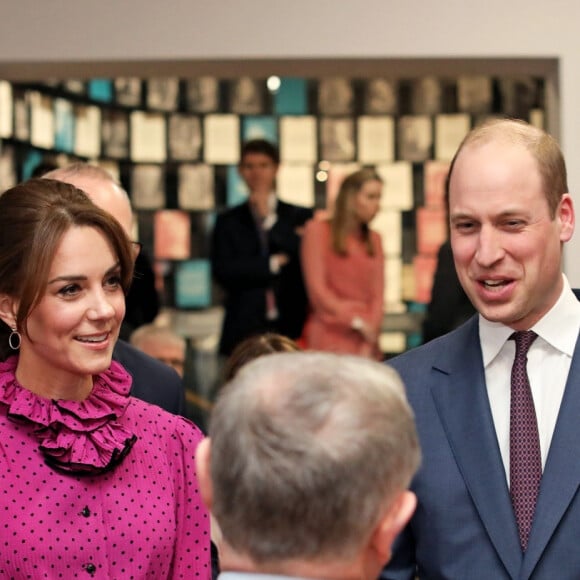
(337, 139)
(88, 131)
(6, 109)
(397, 185)
(148, 137)
(424, 270)
(184, 137)
(246, 96)
(381, 97)
(434, 179)
(449, 133)
(291, 98)
(260, 127)
(172, 234)
(193, 284)
(128, 91)
(21, 106)
(195, 186)
(148, 186)
(426, 96)
(474, 94)
(202, 95)
(393, 287)
(64, 125)
(335, 96)
(41, 121)
(115, 133)
(222, 139)
(163, 93)
(415, 134)
(388, 223)
(298, 143)
(101, 90)
(295, 184)
(376, 139)
(8, 176)
(431, 230)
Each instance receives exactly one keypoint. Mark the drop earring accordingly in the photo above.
(14, 339)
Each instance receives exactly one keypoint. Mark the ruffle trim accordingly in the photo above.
(77, 437)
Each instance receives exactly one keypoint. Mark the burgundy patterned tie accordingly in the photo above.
(525, 456)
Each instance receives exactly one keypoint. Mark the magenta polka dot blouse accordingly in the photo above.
(101, 488)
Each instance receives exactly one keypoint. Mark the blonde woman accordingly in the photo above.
(343, 264)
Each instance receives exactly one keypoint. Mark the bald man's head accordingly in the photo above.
(100, 186)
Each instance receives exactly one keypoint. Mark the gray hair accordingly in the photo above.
(309, 450)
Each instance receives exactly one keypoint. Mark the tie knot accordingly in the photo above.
(524, 339)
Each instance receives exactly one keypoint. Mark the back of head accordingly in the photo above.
(34, 216)
(262, 147)
(542, 146)
(308, 452)
(254, 347)
(103, 189)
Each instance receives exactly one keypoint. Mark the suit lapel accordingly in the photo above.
(462, 403)
(561, 476)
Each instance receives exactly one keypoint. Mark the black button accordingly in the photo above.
(91, 569)
(86, 512)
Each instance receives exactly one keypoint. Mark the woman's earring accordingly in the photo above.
(14, 340)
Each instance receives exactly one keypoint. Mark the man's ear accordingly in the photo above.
(8, 309)
(392, 523)
(203, 467)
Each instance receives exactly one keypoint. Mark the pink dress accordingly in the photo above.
(340, 288)
(103, 488)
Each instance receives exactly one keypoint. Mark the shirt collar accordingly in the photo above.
(558, 327)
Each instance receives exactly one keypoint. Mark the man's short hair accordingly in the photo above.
(542, 146)
(80, 169)
(308, 452)
(260, 146)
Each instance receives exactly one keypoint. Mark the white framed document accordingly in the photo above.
(449, 132)
(397, 185)
(222, 139)
(148, 137)
(295, 184)
(298, 139)
(376, 139)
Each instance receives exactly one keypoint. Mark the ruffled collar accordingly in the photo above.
(80, 437)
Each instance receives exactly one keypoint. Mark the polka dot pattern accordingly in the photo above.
(525, 455)
(143, 519)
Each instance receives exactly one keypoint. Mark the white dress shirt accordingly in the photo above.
(549, 360)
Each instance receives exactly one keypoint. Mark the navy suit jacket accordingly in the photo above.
(464, 526)
(153, 381)
(241, 265)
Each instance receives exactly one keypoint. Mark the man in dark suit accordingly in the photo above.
(255, 255)
(153, 381)
(498, 493)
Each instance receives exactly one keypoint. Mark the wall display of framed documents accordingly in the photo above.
(174, 144)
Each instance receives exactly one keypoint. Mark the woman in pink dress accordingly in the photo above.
(343, 264)
(94, 483)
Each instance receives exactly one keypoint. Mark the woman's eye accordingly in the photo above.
(69, 290)
(113, 282)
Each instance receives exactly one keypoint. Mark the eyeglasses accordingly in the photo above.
(137, 247)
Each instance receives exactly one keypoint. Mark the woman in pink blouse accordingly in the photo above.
(343, 263)
(93, 482)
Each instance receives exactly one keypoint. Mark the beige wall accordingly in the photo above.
(120, 32)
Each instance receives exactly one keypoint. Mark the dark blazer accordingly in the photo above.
(241, 265)
(464, 526)
(153, 381)
(449, 306)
